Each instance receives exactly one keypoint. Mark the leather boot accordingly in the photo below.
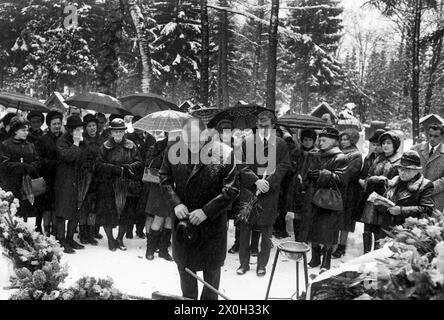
(70, 236)
(82, 235)
(367, 241)
(90, 235)
(339, 252)
(97, 234)
(326, 260)
(315, 257)
(66, 246)
(164, 241)
(152, 242)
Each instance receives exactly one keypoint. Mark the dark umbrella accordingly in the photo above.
(242, 116)
(98, 102)
(21, 102)
(27, 189)
(301, 121)
(142, 104)
(205, 114)
(121, 186)
(86, 174)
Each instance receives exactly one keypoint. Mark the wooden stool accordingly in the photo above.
(295, 251)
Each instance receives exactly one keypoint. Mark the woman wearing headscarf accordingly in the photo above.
(18, 158)
(349, 139)
(330, 173)
(382, 169)
(92, 142)
(119, 164)
(47, 150)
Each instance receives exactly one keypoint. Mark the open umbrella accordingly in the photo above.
(242, 116)
(301, 121)
(142, 104)
(205, 114)
(168, 120)
(21, 102)
(98, 102)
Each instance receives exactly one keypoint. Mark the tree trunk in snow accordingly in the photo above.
(257, 54)
(141, 32)
(205, 54)
(434, 64)
(416, 69)
(222, 76)
(272, 55)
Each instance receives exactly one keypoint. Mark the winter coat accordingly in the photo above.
(382, 170)
(353, 191)
(324, 228)
(286, 184)
(35, 135)
(110, 166)
(156, 204)
(210, 187)
(12, 170)
(433, 170)
(415, 198)
(143, 145)
(4, 135)
(250, 173)
(47, 150)
(72, 168)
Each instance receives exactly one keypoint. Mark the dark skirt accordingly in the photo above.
(157, 205)
(112, 220)
(325, 226)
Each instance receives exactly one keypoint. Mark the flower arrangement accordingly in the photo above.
(36, 259)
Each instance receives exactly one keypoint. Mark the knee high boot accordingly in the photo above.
(367, 241)
(164, 241)
(111, 241)
(315, 256)
(72, 226)
(90, 230)
(152, 243)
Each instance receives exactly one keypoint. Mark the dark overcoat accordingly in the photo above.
(47, 150)
(353, 191)
(324, 228)
(12, 170)
(415, 198)
(113, 156)
(210, 187)
(250, 173)
(69, 173)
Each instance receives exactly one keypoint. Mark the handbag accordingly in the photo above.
(38, 187)
(151, 175)
(328, 198)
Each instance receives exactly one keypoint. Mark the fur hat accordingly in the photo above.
(53, 115)
(74, 122)
(18, 123)
(309, 133)
(33, 114)
(329, 132)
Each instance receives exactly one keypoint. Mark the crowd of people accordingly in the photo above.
(98, 175)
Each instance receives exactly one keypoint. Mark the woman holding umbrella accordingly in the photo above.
(18, 159)
(88, 186)
(118, 164)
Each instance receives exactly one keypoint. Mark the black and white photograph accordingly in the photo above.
(217, 150)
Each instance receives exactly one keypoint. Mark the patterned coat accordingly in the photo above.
(210, 187)
(433, 170)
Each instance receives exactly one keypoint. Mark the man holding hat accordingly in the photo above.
(330, 172)
(410, 191)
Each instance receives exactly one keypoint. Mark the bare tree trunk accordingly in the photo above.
(434, 64)
(145, 57)
(416, 69)
(272, 55)
(306, 98)
(205, 54)
(108, 61)
(222, 77)
(257, 54)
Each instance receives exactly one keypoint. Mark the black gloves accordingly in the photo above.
(313, 175)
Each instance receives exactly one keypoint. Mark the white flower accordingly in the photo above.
(439, 249)
(20, 235)
(416, 231)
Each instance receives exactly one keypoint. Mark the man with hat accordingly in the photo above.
(431, 154)
(69, 156)
(410, 191)
(329, 172)
(47, 150)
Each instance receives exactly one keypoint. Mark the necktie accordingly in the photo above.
(431, 152)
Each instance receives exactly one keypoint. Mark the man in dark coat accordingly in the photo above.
(330, 173)
(47, 150)
(69, 155)
(143, 141)
(263, 178)
(200, 195)
(36, 120)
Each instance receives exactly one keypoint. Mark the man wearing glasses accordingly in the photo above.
(432, 162)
